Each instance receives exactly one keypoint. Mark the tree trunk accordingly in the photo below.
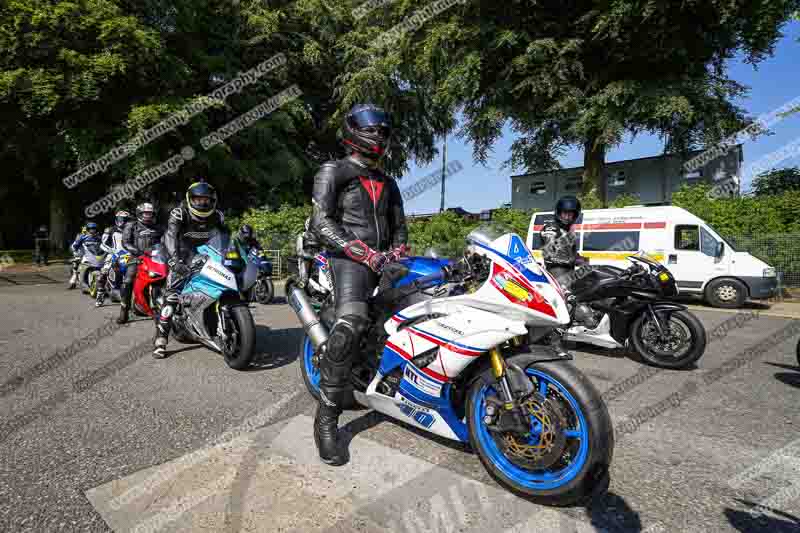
(59, 209)
(594, 177)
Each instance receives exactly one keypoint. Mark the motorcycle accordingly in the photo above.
(148, 286)
(613, 308)
(88, 270)
(452, 351)
(211, 310)
(264, 290)
(116, 274)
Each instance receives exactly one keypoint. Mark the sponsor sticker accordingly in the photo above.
(420, 382)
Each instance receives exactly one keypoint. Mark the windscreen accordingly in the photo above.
(485, 234)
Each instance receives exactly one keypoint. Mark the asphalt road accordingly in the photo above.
(103, 437)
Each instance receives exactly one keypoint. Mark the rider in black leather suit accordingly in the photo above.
(190, 225)
(559, 244)
(358, 217)
(137, 236)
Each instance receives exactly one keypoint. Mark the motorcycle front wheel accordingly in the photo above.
(240, 348)
(564, 457)
(93, 284)
(683, 343)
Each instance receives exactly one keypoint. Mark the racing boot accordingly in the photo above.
(101, 290)
(163, 327)
(326, 431)
(124, 303)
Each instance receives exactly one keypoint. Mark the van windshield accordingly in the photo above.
(726, 241)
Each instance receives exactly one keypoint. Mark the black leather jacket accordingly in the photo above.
(351, 202)
(184, 234)
(136, 237)
(559, 245)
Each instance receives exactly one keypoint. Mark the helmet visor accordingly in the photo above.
(371, 118)
(147, 216)
(202, 203)
(567, 216)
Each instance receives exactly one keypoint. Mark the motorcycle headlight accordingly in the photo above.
(769, 273)
(235, 265)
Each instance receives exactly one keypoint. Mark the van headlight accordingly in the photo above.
(769, 273)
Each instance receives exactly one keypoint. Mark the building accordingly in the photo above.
(652, 179)
(457, 210)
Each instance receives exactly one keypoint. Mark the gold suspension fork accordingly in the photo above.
(499, 371)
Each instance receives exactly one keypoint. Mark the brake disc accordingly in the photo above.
(545, 443)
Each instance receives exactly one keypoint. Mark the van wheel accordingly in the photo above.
(727, 293)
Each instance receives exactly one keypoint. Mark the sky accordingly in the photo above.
(772, 83)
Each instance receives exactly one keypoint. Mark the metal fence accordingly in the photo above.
(278, 268)
(781, 251)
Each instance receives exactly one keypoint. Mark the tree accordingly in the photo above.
(776, 181)
(586, 73)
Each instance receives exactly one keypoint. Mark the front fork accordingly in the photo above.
(503, 414)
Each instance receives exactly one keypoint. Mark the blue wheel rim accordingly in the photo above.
(535, 479)
(311, 371)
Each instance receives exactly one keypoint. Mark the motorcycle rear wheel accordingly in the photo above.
(584, 432)
(265, 291)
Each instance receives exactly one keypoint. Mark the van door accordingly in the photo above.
(693, 260)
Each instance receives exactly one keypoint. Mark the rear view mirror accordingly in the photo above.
(720, 249)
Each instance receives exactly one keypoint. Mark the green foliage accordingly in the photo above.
(777, 181)
(276, 230)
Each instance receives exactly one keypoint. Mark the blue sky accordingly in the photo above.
(775, 82)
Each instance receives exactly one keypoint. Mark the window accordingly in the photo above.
(708, 244)
(538, 187)
(617, 179)
(694, 175)
(573, 184)
(599, 241)
(687, 238)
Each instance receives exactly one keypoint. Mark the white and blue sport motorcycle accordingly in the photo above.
(451, 351)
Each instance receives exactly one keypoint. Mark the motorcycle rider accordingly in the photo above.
(111, 243)
(190, 225)
(137, 236)
(41, 238)
(358, 215)
(559, 243)
(85, 241)
(246, 238)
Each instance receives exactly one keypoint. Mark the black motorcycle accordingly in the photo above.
(617, 308)
(263, 291)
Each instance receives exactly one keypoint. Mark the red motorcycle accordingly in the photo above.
(148, 287)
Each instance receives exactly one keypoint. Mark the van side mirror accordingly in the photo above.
(720, 249)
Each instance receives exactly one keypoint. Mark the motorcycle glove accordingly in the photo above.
(359, 252)
(179, 268)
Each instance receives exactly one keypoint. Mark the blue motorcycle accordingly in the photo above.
(211, 309)
(264, 289)
(119, 261)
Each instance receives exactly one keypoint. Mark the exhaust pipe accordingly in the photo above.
(316, 330)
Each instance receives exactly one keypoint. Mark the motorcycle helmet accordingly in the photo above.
(121, 218)
(146, 214)
(91, 228)
(568, 209)
(201, 199)
(246, 231)
(367, 129)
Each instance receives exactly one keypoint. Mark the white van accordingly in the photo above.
(702, 262)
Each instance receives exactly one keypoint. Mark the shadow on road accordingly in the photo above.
(610, 512)
(275, 347)
(756, 519)
(788, 378)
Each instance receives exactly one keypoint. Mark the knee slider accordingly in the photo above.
(345, 336)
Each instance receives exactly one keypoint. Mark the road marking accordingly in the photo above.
(287, 489)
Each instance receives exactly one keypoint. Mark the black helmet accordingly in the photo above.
(367, 129)
(201, 199)
(146, 214)
(564, 206)
(246, 231)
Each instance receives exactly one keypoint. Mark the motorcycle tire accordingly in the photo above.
(695, 352)
(93, 284)
(798, 352)
(586, 475)
(247, 338)
(308, 370)
(265, 292)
